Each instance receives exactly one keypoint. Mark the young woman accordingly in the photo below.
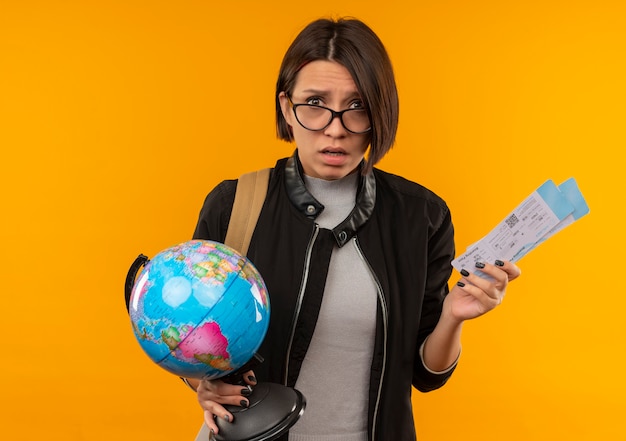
(356, 260)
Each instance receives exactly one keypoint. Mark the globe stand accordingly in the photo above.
(273, 409)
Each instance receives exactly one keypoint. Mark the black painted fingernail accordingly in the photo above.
(464, 272)
(244, 403)
(227, 418)
(251, 378)
(480, 265)
(246, 391)
(499, 263)
(461, 284)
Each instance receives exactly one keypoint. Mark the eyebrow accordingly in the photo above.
(321, 92)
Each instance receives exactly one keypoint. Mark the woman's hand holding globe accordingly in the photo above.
(213, 394)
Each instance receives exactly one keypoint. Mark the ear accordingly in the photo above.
(285, 107)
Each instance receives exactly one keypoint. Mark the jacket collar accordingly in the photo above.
(311, 207)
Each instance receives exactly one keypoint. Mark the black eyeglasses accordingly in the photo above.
(316, 118)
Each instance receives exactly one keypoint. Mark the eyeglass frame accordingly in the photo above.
(334, 114)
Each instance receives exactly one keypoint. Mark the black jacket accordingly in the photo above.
(403, 231)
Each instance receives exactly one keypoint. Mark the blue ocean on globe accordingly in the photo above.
(200, 309)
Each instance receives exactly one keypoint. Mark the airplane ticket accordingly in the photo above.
(546, 211)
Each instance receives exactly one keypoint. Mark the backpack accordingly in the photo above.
(249, 198)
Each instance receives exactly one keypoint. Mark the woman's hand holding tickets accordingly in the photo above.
(474, 295)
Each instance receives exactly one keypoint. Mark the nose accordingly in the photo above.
(336, 128)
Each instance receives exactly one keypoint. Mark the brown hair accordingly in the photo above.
(351, 43)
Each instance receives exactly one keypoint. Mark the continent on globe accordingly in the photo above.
(199, 309)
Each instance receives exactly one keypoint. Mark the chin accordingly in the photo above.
(329, 172)
(333, 175)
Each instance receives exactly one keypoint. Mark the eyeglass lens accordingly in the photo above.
(317, 118)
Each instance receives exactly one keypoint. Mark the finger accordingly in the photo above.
(212, 402)
(495, 271)
(493, 285)
(512, 270)
(213, 410)
(250, 378)
(210, 423)
(217, 390)
(240, 399)
(486, 301)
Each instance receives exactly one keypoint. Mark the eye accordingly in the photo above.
(357, 104)
(314, 101)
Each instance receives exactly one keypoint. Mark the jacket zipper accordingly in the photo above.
(383, 304)
(385, 312)
(305, 278)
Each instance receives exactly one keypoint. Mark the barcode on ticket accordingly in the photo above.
(511, 220)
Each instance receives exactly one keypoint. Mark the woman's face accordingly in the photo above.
(333, 152)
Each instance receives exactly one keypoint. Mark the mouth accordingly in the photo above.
(331, 151)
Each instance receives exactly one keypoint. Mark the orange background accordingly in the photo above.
(117, 117)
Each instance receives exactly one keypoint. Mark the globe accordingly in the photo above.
(199, 309)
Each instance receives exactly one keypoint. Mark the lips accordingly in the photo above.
(334, 151)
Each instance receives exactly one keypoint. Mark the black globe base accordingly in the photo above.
(273, 410)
